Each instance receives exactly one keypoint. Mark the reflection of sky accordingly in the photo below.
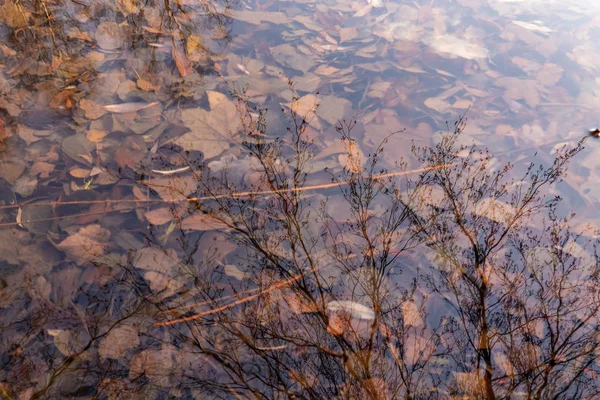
(528, 68)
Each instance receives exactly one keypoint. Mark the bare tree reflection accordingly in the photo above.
(524, 298)
(461, 282)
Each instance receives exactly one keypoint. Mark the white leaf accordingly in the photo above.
(128, 107)
(357, 310)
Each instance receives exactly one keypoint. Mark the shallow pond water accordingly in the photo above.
(178, 185)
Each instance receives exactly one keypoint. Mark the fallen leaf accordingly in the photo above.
(258, 17)
(145, 85)
(87, 244)
(159, 216)
(438, 104)
(305, 105)
(78, 148)
(462, 104)
(118, 341)
(128, 107)
(411, 314)
(355, 309)
(533, 26)
(288, 55)
(96, 135)
(155, 259)
(550, 74)
(25, 185)
(175, 187)
(210, 131)
(520, 89)
(495, 210)
(174, 171)
(332, 109)
(338, 323)
(69, 342)
(299, 304)
(453, 47)
(131, 152)
(110, 36)
(14, 15)
(9, 248)
(353, 158)
(157, 365)
(347, 34)
(77, 172)
(184, 66)
(43, 169)
(363, 11)
(235, 272)
(201, 222)
(91, 109)
(11, 170)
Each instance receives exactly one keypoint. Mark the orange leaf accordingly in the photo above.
(181, 60)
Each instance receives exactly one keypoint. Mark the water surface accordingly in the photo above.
(122, 117)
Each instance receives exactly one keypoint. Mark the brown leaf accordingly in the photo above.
(288, 55)
(257, 17)
(14, 15)
(520, 89)
(131, 152)
(182, 62)
(110, 36)
(155, 259)
(299, 304)
(338, 323)
(550, 74)
(92, 110)
(77, 172)
(347, 34)
(305, 105)
(146, 85)
(159, 216)
(69, 342)
(42, 168)
(157, 365)
(175, 187)
(210, 131)
(118, 341)
(78, 148)
(11, 170)
(411, 314)
(129, 5)
(96, 135)
(9, 247)
(87, 244)
(332, 108)
(201, 222)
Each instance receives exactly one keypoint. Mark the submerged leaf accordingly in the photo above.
(210, 131)
(201, 222)
(110, 36)
(128, 107)
(118, 341)
(355, 309)
(87, 244)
